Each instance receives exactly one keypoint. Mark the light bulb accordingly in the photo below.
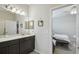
(14, 10)
(73, 10)
(22, 13)
(18, 11)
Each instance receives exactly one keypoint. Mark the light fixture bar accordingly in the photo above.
(14, 10)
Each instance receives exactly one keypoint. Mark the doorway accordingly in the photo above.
(64, 30)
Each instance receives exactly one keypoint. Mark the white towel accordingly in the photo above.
(54, 42)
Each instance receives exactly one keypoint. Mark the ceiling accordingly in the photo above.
(62, 11)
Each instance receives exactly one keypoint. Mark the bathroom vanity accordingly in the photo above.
(17, 44)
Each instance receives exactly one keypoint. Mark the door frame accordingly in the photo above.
(53, 9)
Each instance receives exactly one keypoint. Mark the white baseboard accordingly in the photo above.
(38, 52)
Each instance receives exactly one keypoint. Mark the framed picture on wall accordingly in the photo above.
(40, 23)
(29, 24)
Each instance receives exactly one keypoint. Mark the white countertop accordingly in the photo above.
(12, 37)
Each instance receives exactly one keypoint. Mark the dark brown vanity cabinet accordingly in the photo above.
(18, 46)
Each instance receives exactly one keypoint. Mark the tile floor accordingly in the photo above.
(64, 50)
(60, 50)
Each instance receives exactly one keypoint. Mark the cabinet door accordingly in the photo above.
(3, 50)
(13, 49)
(31, 42)
(23, 45)
(26, 45)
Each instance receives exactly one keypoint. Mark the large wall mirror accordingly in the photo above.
(14, 22)
(7, 22)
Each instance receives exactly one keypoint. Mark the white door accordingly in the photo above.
(77, 31)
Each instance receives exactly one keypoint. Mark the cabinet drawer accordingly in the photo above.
(8, 43)
(13, 49)
(26, 38)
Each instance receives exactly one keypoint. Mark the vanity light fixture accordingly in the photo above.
(14, 10)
